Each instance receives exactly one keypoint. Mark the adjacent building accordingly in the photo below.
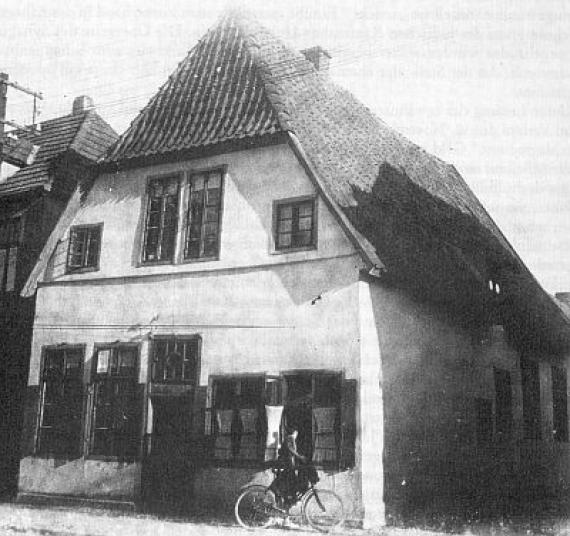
(31, 202)
(257, 237)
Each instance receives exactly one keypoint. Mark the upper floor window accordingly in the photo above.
(10, 239)
(203, 217)
(161, 220)
(115, 414)
(61, 402)
(175, 359)
(295, 224)
(200, 198)
(84, 248)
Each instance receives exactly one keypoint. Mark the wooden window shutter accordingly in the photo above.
(348, 423)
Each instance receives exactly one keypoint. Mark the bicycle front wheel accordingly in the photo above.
(254, 507)
(323, 509)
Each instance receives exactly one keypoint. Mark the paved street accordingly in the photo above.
(18, 520)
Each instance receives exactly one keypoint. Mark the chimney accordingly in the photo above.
(319, 57)
(82, 104)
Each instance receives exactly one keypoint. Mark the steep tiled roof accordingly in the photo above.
(413, 209)
(216, 94)
(84, 134)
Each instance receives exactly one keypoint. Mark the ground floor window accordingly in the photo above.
(560, 403)
(175, 359)
(531, 398)
(503, 403)
(313, 406)
(238, 409)
(246, 416)
(115, 412)
(61, 406)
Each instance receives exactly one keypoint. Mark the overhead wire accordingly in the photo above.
(343, 56)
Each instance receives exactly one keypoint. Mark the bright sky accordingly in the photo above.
(484, 85)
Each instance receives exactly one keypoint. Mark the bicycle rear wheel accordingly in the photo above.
(323, 509)
(254, 507)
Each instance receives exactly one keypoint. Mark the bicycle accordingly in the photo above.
(258, 506)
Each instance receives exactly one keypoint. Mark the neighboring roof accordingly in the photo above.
(412, 209)
(85, 134)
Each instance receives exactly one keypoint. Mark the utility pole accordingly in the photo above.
(3, 99)
(18, 152)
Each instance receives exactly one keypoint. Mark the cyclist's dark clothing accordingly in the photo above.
(296, 473)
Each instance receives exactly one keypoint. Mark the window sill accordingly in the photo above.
(155, 263)
(200, 259)
(103, 458)
(293, 250)
(87, 269)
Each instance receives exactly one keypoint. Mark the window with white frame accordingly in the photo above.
(84, 248)
(161, 219)
(295, 224)
(203, 215)
(199, 195)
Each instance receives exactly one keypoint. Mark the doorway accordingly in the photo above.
(168, 469)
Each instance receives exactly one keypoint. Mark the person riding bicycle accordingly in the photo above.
(295, 454)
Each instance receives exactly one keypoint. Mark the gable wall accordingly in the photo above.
(254, 179)
(253, 310)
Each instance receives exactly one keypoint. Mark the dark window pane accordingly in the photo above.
(62, 402)
(202, 232)
(327, 390)
(224, 394)
(174, 360)
(116, 414)
(531, 398)
(285, 226)
(162, 218)
(284, 241)
(560, 403)
(503, 394)
(295, 224)
(84, 248)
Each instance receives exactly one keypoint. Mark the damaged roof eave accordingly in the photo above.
(361, 243)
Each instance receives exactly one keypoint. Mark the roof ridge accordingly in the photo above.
(87, 115)
(275, 94)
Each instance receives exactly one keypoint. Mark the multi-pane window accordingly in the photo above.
(84, 248)
(295, 224)
(313, 407)
(247, 416)
(560, 403)
(503, 403)
(175, 360)
(531, 398)
(161, 220)
(203, 216)
(10, 236)
(61, 406)
(115, 414)
(238, 418)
